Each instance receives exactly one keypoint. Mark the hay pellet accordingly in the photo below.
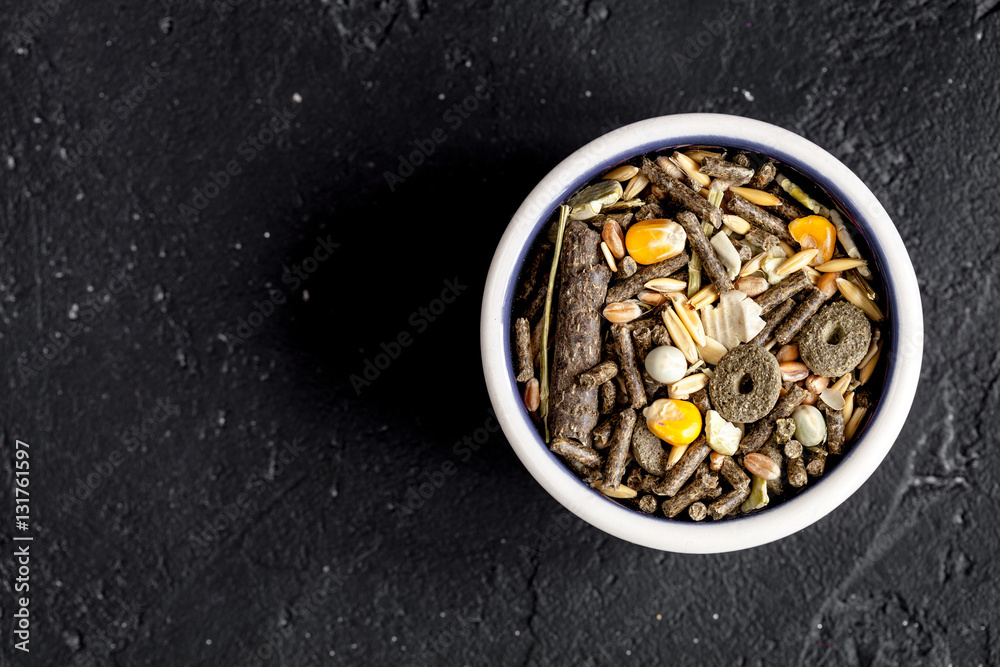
(573, 451)
(691, 493)
(633, 479)
(635, 283)
(607, 399)
(681, 472)
(728, 503)
(681, 194)
(643, 342)
(647, 504)
(762, 430)
(834, 430)
(796, 472)
(783, 291)
(522, 336)
(763, 176)
(817, 463)
(729, 171)
(793, 449)
(706, 253)
(602, 433)
(628, 370)
(772, 321)
(758, 217)
(577, 343)
(626, 268)
(599, 374)
(619, 448)
(701, 400)
(746, 385)
(733, 473)
(648, 450)
(744, 251)
(741, 159)
(698, 511)
(814, 299)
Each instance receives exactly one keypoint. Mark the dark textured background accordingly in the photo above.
(262, 516)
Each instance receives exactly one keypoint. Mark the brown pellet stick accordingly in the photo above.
(618, 453)
(628, 370)
(604, 431)
(758, 217)
(681, 194)
(772, 321)
(772, 450)
(817, 463)
(733, 473)
(763, 176)
(703, 482)
(643, 339)
(681, 471)
(787, 330)
(783, 291)
(599, 374)
(741, 159)
(834, 430)
(572, 451)
(743, 249)
(534, 309)
(649, 211)
(626, 268)
(761, 431)
(583, 286)
(797, 472)
(522, 336)
(630, 287)
(728, 503)
(784, 208)
(699, 243)
(608, 396)
(719, 168)
(701, 400)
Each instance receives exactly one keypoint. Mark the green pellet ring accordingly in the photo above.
(835, 340)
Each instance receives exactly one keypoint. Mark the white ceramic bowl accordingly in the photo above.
(873, 226)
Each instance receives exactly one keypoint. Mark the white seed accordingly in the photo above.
(666, 364)
(670, 167)
(736, 223)
(753, 266)
(841, 384)
(623, 491)
(676, 452)
(690, 384)
(689, 318)
(609, 257)
(721, 435)
(848, 407)
(833, 398)
(712, 351)
(679, 335)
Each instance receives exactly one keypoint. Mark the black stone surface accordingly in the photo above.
(208, 488)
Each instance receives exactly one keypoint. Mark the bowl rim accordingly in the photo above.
(854, 198)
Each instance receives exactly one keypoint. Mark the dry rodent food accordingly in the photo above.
(746, 384)
(835, 340)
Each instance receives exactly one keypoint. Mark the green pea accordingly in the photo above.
(810, 426)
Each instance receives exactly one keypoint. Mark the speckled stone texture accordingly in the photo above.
(210, 486)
